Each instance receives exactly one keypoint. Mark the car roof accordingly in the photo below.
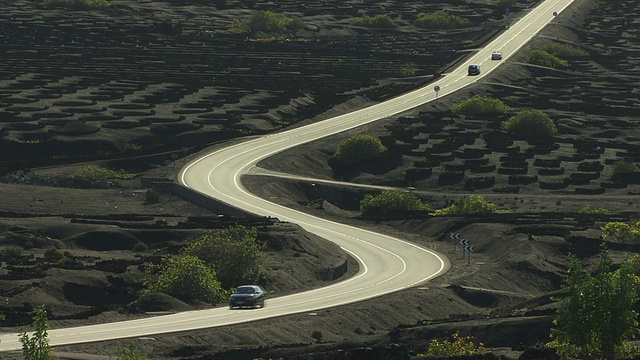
(249, 286)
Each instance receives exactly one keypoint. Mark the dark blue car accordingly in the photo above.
(250, 296)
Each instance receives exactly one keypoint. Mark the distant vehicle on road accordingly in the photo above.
(496, 55)
(474, 69)
(251, 296)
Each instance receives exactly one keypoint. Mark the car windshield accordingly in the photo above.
(245, 290)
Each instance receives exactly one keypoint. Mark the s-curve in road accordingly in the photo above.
(386, 264)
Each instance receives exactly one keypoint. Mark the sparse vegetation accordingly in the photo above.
(151, 197)
(94, 172)
(543, 58)
(590, 209)
(597, 316)
(185, 277)
(129, 352)
(442, 20)
(359, 148)
(382, 21)
(622, 232)
(474, 204)
(36, 346)
(531, 124)
(389, 201)
(409, 70)
(317, 335)
(79, 4)
(622, 168)
(479, 104)
(234, 253)
(140, 247)
(504, 3)
(566, 51)
(460, 346)
(10, 253)
(53, 254)
(267, 21)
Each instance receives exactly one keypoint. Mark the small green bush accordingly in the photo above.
(409, 70)
(377, 21)
(460, 346)
(622, 232)
(267, 21)
(566, 51)
(442, 20)
(474, 204)
(530, 124)
(624, 167)
(543, 58)
(11, 253)
(79, 4)
(185, 277)
(35, 346)
(151, 197)
(53, 254)
(479, 104)
(504, 3)
(359, 148)
(140, 247)
(317, 335)
(129, 352)
(389, 201)
(589, 209)
(94, 172)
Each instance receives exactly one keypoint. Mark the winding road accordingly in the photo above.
(386, 264)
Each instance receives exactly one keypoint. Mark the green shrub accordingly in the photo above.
(389, 201)
(79, 4)
(442, 20)
(317, 335)
(622, 232)
(359, 148)
(377, 21)
(624, 167)
(596, 317)
(185, 277)
(36, 346)
(129, 352)
(94, 172)
(409, 70)
(474, 204)
(140, 247)
(543, 58)
(460, 346)
(151, 197)
(234, 253)
(566, 51)
(589, 209)
(504, 3)
(479, 104)
(530, 124)
(11, 253)
(267, 21)
(53, 254)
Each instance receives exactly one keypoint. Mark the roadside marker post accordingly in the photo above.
(464, 243)
(469, 249)
(454, 236)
